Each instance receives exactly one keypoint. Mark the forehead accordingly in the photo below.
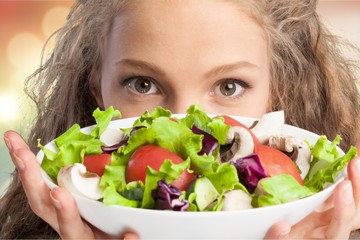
(203, 13)
(190, 25)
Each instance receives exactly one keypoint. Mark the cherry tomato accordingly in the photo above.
(154, 156)
(96, 163)
(232, 122)
(276, 162)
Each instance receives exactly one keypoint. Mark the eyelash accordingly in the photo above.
(244, 86)
(127, 81)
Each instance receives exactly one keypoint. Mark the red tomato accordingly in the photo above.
(276, 162)
(232, 122)
(96, 163)
(154, 156)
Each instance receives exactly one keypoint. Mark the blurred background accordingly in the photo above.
(25, 26)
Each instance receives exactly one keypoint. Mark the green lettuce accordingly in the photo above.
(160, 128)
(279, 189)
(102, 119)
(167, 171)
(326, 163)
(73, 145)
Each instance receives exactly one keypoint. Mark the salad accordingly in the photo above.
(193, 163)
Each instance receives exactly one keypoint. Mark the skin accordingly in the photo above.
(188, 65)
(184, 66)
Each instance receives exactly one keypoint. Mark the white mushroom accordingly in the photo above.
(269, 124)
(236, 200)
(75, 179)
(112, 136)
(242, 144)
(297, 147)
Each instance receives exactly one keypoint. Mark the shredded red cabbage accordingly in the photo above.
(249, 170)
(166, 197)
(113, 148)
(209, 143)
(134, 130)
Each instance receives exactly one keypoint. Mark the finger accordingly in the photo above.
(328, 204)
(27, 165)
(344, 209)
(14, 141)
(354, 177)
(130, 235)
(35, 188)
(280, 230)
(71, 226)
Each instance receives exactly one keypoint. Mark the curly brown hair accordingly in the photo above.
(310, 79)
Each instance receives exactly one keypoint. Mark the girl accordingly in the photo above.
(233, 57)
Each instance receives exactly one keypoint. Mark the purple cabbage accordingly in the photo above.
(209, 143)
(135, 129)
(249, 170)
(166, 197)
(115, 147)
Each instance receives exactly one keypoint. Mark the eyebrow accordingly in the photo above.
(213, 72)
(230, 67)
(141, 65)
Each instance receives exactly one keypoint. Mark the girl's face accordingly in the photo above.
(177, 53)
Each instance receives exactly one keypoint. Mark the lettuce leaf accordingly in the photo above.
(168, 171)
(102, 119)
(213, 126)
(223, 178)
(112, 197)
(279, 189)
(326, 163)
(73, 145)
(173, 136)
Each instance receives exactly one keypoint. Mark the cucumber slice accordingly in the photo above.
(205, 192)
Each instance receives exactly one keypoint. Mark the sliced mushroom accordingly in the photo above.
(236, 200)
(297, 148)
(269, 124)
(112, 136)
(75, 179)
(241, 143)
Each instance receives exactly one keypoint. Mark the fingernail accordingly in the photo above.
(348, 193)
(129, 236)
(284, 233)
(8, 145)
(56, 202)
(18, 161)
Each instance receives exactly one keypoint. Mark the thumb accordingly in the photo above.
(279, 230)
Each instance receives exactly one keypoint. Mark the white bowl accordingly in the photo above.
(156, 224)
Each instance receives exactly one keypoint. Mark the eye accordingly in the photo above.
(141, 85)
(230, 88)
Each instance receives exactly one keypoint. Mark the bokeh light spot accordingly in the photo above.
(54, 19)
(9, 107)
(24, 50)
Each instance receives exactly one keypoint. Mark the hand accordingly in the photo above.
(56, 207)
(335, 219)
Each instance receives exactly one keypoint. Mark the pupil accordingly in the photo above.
(227, 89)
(142, 86)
